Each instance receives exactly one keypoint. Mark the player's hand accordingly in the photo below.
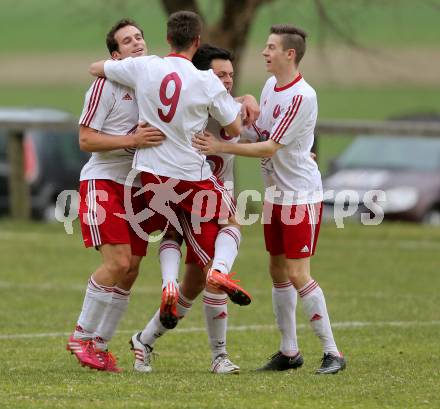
(250, 110)
(206, 143)
(147, 136)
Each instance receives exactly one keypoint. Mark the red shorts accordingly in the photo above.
(100, 203)
(195, 206)
(292, 230)
(200, 243)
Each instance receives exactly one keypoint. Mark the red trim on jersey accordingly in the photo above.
(178, 55)
(287, 119)
(132, 130)
(290, 84)
(256, 129)
(94, 101)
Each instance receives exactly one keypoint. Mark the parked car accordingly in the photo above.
(52, 159)
(407, 169)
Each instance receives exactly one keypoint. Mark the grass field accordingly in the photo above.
(56, 25)
(381, 285)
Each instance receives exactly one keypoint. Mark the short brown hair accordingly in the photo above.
(183, 28)
(291, 37)
(110, 40)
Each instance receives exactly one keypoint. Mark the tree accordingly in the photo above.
(232, 28)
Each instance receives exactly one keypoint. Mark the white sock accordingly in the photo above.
(284, 307)
(184, 305)
(314, 306)
(112, 316)
(169, 256)
(155, 329)
(216, 315)
(96, 300)
(226, 248)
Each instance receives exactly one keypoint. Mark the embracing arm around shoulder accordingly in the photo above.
(97, 69)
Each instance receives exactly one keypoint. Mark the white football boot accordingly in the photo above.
(142, 354)
(223, 365)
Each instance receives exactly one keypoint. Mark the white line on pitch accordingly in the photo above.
(342, 325)
(155, 290)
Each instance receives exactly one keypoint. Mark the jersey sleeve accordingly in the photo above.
(98, 103)
(293, 121)
(123, 71)
(223, 107)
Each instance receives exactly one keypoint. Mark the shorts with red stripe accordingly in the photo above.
(200, 207)
(100, 203)
(292, 230)
(200, 243)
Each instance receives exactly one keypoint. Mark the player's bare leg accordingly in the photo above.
(312, 297)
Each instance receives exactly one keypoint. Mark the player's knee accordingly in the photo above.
(298, 277)
(128, 280)
(120, 264)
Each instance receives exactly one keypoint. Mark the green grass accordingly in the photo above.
(370, 275)
(57, 25)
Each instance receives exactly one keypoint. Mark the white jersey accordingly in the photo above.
(176, 98)
(110, 108)
(222, 164)
(288, 116)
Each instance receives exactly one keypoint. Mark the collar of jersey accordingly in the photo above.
(290, 84)
(178, 55)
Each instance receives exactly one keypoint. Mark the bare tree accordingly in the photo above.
(231, 30)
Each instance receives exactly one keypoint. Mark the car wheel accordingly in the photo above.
(432, 217)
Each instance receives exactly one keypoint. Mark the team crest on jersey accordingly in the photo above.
(127, 97)
(276, 111)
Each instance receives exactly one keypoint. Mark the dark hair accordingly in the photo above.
(291, 37)
(206, 53)
(183, 27)
(110, 40)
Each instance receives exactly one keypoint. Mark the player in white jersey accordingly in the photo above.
(107, 129)
(176, 98)
(193, 283)
(293, 202)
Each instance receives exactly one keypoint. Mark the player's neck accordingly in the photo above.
(189, 54)
(286, 77)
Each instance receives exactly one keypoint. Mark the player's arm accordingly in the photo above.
(97, 69)
(234, 128)
(92, 140)
(209, 145)
(123, 71)
(250, 110)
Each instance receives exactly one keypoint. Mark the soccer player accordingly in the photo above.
(193, 283)
(107, 129)
(293, 202)
(176, 98)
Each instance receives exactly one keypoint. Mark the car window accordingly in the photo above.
(62, 147)
(412, 153)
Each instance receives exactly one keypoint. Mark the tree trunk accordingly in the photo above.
(230, 31)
